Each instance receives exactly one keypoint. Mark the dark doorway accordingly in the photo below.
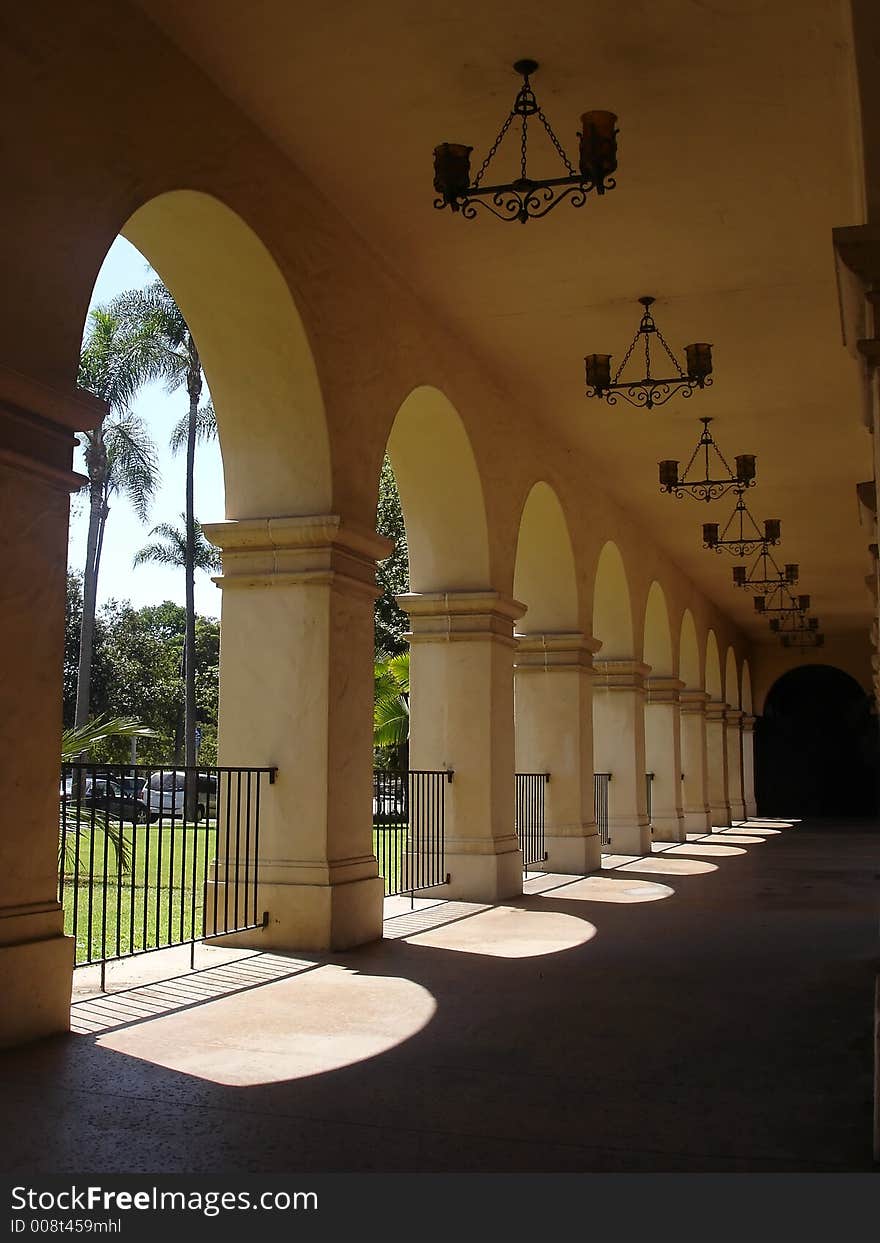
(816, 747)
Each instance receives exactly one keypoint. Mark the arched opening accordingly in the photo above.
(544, 576)
(441, 494)
(619, 708)
(554, 804)
(461, 658)
(694, 790)
(256, 355)
(612, 606)
(689, 669)
(816, 748)
(662, 733)
(713, 668)
(732, 694)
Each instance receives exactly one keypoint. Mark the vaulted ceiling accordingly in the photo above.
(737, 156)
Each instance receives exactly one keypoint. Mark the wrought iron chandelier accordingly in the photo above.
(528, 198)
(758, 577)
(650, 390)
(797, 606)
(799, 631)
(741, 543)
(707, 489)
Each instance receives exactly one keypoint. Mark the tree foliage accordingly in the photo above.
(392, 574)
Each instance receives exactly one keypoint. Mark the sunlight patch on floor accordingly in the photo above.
(509, 932)
(303, 1025)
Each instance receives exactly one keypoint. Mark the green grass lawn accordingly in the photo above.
(160, 901)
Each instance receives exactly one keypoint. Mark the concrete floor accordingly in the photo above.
(705, 1009)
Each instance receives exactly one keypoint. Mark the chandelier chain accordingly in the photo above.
(626, 358)
(495, 145)
(556, 143)
(522, 147)
(672, 357)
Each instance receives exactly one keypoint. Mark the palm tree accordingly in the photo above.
(153, 314)
(119, 457)
(391, 708)
(73, 821)
(171, 548)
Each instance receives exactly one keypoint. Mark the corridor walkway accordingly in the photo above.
(708, 1008)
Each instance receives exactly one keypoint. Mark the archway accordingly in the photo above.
(816, 751)
(694, 776)
(619, 708)
(553, 715)
(716, 738)
(733, 737)
(662, 723)
(461, 649)
(296, 615)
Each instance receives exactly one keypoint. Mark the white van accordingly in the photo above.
(167, 795)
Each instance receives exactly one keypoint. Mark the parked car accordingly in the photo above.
(166, 794)
(119, 800)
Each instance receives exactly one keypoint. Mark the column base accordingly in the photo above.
(37, 978)
(630, 839)
(668, 828)
(573, 856)
(737, 811)
(699, 821)
(751, 810)
(311, 918)
(720, 815)
(480, 877)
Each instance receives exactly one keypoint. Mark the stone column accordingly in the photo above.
(732, 730)
(296, 691)
(716, 763)
(619, 749)
(663, 757)
(554, 734)
(461, 718)
(37, 426)
(748, 759)
(695, 790)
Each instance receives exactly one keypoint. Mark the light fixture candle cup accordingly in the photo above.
(710, 534)
(792, 572)
(669, 475)
(699, 361)
(803, 603)
(598, 369)
(745, 468)
(739, 576)
(772, 530)
(452, 171)
(760, 604)
(598, 146)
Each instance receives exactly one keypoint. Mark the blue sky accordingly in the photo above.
(126, 268)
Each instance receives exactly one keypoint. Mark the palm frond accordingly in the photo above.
(132, 462)
(73, 825)
(76, 740)
(173, 550)
(206, 428)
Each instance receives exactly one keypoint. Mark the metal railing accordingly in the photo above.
(152, 857)
(601, 782)
(409, 828)
(530, 792)
(649, 791)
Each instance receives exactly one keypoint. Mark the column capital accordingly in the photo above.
(693, 701)
(621, 675)
(716, 710)
(311, 550)
(733, 716)
(38, 425)
(556, 652)
(747, 723)
(461, 616)
(663, 690)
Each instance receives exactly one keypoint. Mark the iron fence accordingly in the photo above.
(530, 792)
(601, 782)
(649, 792)
(152, 857)
(409, 828)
